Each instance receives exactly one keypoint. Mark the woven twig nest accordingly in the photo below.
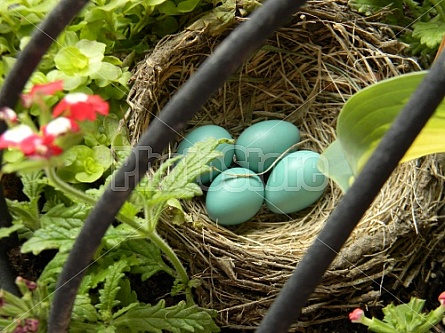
(303, 74)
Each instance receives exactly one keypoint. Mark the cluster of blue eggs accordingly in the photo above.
(236, 194)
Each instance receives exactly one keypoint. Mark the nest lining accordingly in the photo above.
(303, 74)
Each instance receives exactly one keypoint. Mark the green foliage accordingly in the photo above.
(364, 120)
(106, 301)
(405, 318)
(30, 309)
(59, 229)
(426, 18)
(176, 319)
(89, 56)
(85, 165)
(26, 214)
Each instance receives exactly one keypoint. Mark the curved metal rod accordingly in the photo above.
(226, 59)
(309, 272)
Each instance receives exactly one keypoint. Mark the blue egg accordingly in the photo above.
(203, 133)
(295, 183)
(261, 144)
(232, 199)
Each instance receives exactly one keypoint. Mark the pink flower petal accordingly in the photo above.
(8, 114)
(356, 315)
(442, 298)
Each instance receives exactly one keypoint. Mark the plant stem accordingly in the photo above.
(168, 251)
(151, 233)
(440, 8)
(77, 195)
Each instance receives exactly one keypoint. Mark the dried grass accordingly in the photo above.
(303, 74)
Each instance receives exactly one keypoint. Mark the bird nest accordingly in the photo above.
(304, 73)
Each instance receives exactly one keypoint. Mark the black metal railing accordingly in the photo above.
(226, 59)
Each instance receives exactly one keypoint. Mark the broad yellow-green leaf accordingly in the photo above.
(364, 120)
(337, 167)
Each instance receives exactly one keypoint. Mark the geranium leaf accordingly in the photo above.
(180, 183)
(430, 33)
(176, 319)
(52, 269)
(6, 231)
(59, 229)
(83, 310)
(107, 295)
(144, 257)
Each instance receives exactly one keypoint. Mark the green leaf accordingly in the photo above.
(102, 155)
(430, 33)
(24, 213)
(168, 7)
(33, 184)
(335, 165)
(153, 2)
(126, 295)
(59, 229)
(176, 213)
(84, 164)
(366, 117)
(83, 310)
(70, 83)
(406, 317)
(216, 21)
(53, 269)
(71, 61)
(92, 49)
(166, 25)
(176, 319)
(107, 295)
(92, 171)
(148, 259)
(6, 231)
(27, 212)
(180, 183)
(187, 6)
(394, 10)
(117, 132)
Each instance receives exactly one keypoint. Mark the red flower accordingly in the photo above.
(31, 144)
(40, 90)
(356, 316)
(80, 106)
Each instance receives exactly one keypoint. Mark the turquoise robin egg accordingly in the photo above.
(232, 199)
(261, 144)
(295, 183)
(203, 133)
